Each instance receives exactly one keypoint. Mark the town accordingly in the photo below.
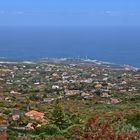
(57, 98)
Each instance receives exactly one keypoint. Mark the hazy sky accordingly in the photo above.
(69, 13)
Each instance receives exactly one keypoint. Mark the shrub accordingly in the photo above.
(121, 124)
(103, 131)
(7, 112)
(74, 132)
(48, 129)
(134, 119)
(12, 135)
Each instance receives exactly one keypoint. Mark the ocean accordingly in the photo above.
(113, 44)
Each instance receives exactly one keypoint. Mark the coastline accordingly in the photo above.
(69, 60)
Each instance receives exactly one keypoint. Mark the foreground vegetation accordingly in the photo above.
(70, 102)
(83, 120)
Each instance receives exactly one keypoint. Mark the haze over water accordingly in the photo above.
(114, 44)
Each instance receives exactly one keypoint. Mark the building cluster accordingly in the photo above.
(25, 83)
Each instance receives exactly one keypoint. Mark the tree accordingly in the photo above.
(59, 117)
(34, 124)
(23, 120)
(98, 92)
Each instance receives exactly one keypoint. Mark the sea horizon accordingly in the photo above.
(110, 44)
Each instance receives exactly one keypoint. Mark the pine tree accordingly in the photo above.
(59, 118)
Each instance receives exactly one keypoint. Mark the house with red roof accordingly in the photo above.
(35, 115)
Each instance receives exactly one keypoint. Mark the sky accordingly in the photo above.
(61, 13)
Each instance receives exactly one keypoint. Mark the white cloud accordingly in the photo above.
(108, 12)
(2, 12)
(11, 12)
(19, 12)
(112, 13)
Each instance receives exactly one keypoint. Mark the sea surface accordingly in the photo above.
(113, 44)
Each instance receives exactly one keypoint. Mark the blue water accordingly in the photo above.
(118, 45)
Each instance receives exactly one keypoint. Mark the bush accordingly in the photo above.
(122, 125)
(12, 135)
(74, 132)
(7, 112)
(134, 119)
(48, 129)
(103, 131)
